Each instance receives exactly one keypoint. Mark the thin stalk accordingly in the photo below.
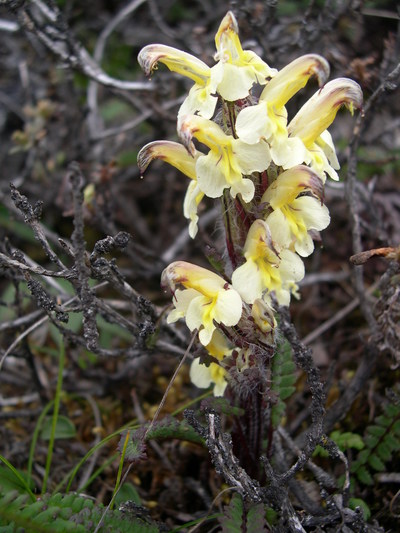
(19, 477)
(119, 474)
(35, 437)
(57, 400)
(96, 473)
(93, 450)
(228, 232)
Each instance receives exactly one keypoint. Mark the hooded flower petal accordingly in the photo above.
(294, 77)
(171, 152)
(177, 156)
(266, 270)
(210, 298)
(237, 69)
(268, 119)
(176, 60)
(228, 160)
(316, 115)
(201, 98)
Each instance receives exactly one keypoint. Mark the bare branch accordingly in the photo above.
(58, 38)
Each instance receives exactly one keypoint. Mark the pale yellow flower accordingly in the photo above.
(294, 213)
(177, 156)
(237, 70)
(206, 300)
(202, 375)
(228, 160)
(317, 114)
(266, 269)
(263, 316)
(201, 98)
(232, 77)
(268, 119)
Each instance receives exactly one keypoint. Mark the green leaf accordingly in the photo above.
(272, 516)
(392, 410)
(9, 481)
(127, 492)
(65, 428)
(396, 427)
(232, 520)
(376, 431)
(376, 463)
(114, 108)
(392, 442)
(371, 441)
(222, 406)
(320, 451)
(384, 452)
(383, 420)
(362, 457)
(256, 519)
(17, 228)
(286, 392)
(170, 428)
(287, 381)
(135, 447)
(364, 476)
(347, 440)
(358, 502)
(283, 379)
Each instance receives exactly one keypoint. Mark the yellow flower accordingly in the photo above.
(203, 376)
(205, 300)
(237, 70)
(177, 156)
(317, 114)
(201, 98)
(266, 269)
(295, 215)
(232, 77)
(268, 119)
(228, 160)
(263, 316)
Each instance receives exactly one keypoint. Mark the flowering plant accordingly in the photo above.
(269, 174)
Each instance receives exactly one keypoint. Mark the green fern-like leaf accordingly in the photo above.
(256, 519)
(382, 439)
(238, 517)
(171, 428)
(64, 514)
(168, 428)
(233, 520)
(345, 441)
(283, 380)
